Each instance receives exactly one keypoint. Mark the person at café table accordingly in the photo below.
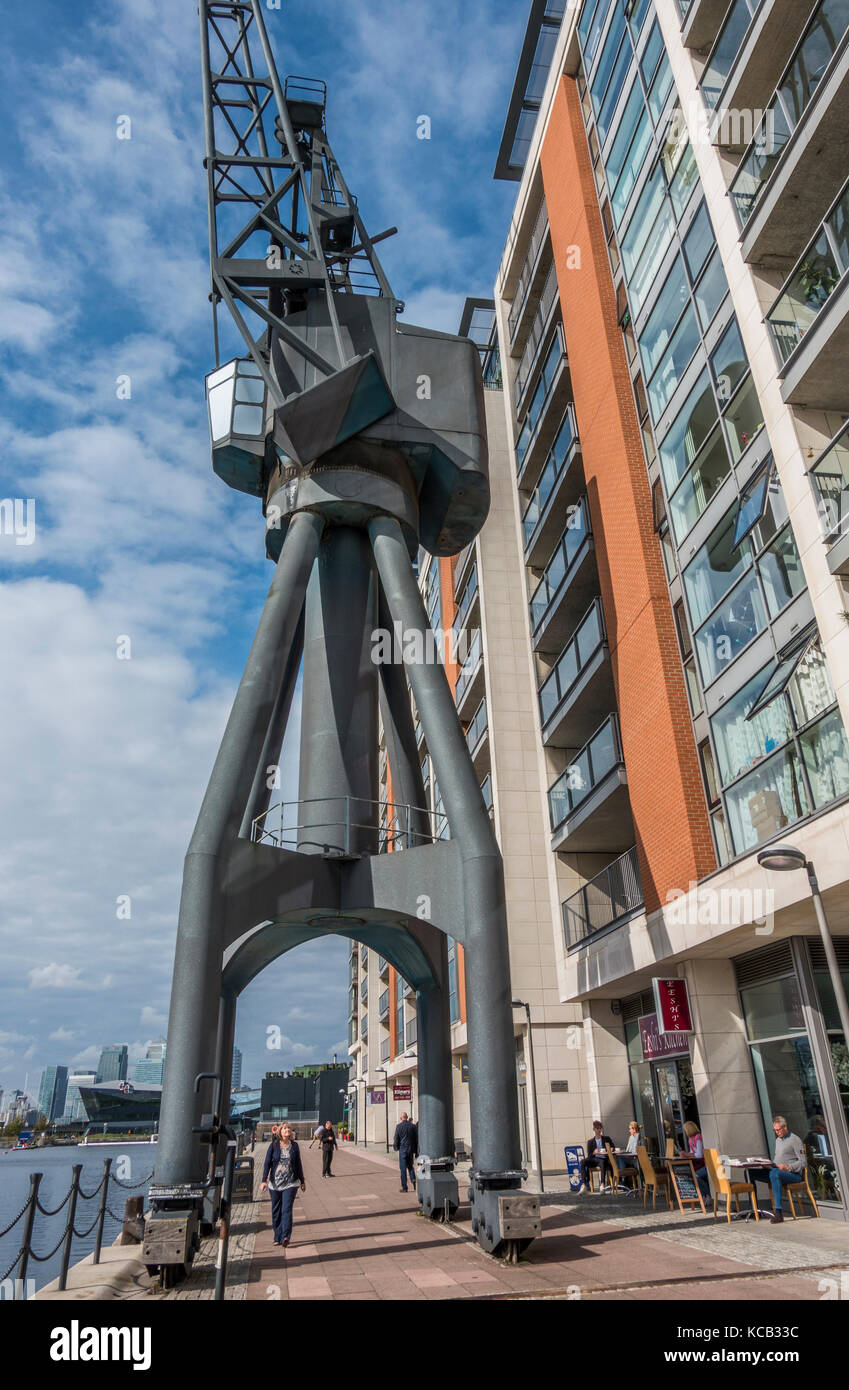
(789, 1163)
(696, 1145)
(596, 1155)
(628, 1157)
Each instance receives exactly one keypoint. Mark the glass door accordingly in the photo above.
(675, 1099)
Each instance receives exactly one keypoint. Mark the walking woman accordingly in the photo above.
(283, 1174)
(328, 1144)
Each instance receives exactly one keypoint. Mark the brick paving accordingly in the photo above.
(357, 1237)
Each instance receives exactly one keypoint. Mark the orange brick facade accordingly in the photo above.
(667, 797)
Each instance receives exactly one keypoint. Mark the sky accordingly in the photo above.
(131, 578)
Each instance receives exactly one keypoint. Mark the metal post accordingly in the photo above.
(533, 1081)
(433, 1036)
(196, 986)
(828, 947)
(493, 1088)
(32, 1201)
(101, 1215)
(69, 1232)
(224, 1220)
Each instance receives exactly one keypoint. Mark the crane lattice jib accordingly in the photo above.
(281, 218)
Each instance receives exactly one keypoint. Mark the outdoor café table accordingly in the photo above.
(754, 1170)
(684, 1180)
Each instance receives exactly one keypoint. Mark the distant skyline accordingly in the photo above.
(129, 616)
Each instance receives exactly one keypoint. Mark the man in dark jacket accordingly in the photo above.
(596, 1155)
(407, 1146)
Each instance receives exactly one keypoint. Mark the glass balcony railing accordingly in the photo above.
(558, 459)
(477, 728)
(556, 355)
(729, 41)
(814, 280)
(598, 757)
(364, 990)
(383, 1004)
(364, 1027)
(830, 477)
(467, 598)
(561, 562)
(526, 273)
(535, 336)
(364, 955)
(486, 792)
(586, 641)
(385, 1050)
(609, 897)
(470, 665)
(410, 1033)
(803, 74)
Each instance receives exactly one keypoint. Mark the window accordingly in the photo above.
(698, 242)
(709, 773)
(752, 502)
(676, 360)
(745, 735)
(728, 362)
(743, 419)
(665, 314)
(688, 432)
(712, 466)
(715, 568)
(710, 291)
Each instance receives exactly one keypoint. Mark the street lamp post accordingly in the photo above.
(411, 1056)
(520, 1004)
(783, 858)
(344, 1107)
(365, 1112)
(385, 1100)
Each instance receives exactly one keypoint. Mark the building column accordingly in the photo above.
(729, 1113)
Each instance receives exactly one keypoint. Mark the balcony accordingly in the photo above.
(382, 967)
(352, 1032)
(364, 955)
(407, 990)
(466, 602)
(830, 478)
(383, 1006)
(385, 1050)
(486, 793)
(588, 804)
(612, 897)
(461, 567)
(548, 301)
(410, 1033)
(702, 23)
(364, 990)
(580, 685)
(805, 127)
(476, 735)
(549, 400)
(527, 291)
(567, 586)
(763, 51)
(559, 487)
(809, 321)
(364, 1027)
(470, 681)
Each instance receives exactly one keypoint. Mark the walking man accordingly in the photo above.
(283, 1174)
(406, 1144)
(327, 1140)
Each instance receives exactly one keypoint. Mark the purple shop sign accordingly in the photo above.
(376, 1097)
(656, 1044)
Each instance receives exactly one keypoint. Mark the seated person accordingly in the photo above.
(697, 1153)
(629, 1158)
(790, 1162)
(596, 1156)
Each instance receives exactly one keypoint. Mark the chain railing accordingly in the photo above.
(33, 1205)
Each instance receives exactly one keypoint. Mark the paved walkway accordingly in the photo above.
(356, 1236)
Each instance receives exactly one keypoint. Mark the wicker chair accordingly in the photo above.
(653, 1178)
(724, 1187)
(622, 1174)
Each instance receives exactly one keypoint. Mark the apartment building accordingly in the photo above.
(671, 310)
(661, 688)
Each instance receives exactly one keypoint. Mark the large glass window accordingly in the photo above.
(741, 743)
(696, 489)
(688, 432)
(676, 360)
(714, 569)
(663, 317)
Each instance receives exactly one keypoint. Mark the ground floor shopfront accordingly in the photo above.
(766, 1040)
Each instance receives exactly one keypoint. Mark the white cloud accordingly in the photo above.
(54, 976)
(152, 1018)
(62, 1035)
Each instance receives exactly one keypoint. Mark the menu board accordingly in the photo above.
(683, 1177)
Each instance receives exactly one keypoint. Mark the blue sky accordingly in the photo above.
(103, 273)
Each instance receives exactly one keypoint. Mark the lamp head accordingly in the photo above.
(782, 858)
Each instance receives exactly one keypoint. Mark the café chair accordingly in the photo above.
(801, 1190)
(724, 1187)
(653, 1178)
(622, 1175)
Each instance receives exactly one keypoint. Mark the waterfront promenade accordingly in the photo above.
(357, 1237)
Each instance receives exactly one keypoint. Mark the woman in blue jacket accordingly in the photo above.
(283, 1174)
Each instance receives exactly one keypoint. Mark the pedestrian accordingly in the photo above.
(406, 1144)
(316, 1135)
(283, 1174)
(327, 1139)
